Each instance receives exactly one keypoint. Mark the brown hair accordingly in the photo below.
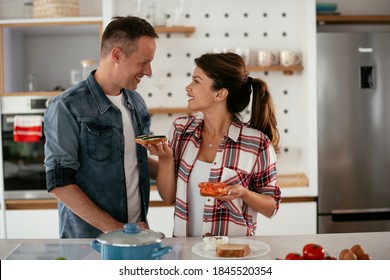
(227, 70)
(124, 32)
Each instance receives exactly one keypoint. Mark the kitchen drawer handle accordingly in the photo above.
(353, 215)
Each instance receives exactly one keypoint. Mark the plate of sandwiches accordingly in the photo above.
(223, 247)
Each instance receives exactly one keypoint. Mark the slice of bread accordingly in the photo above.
(233, 250)
(150, 139)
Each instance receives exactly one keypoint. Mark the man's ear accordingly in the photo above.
(222, 94)
(116, 54)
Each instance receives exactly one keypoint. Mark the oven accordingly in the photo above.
(23, 160)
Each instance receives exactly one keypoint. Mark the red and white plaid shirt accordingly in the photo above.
(245, 157)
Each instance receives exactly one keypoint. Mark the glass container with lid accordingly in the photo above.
(87, 66)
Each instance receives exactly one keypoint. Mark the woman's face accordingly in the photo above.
(200, 93)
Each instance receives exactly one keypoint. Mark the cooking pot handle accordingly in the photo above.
(161, 251)
(96, 245)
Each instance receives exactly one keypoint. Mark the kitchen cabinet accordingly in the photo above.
(35, 223)
(160, 219)
(48, 49)
(292, 218)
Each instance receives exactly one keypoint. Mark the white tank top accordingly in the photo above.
(200, 173)
(131, 168)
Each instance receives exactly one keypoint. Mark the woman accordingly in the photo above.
(219, 147)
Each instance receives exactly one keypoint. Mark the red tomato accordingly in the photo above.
(205, 184)
(313, 251)
(293, 256)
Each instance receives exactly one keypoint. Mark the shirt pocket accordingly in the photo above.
(233, 177)
(98, 138)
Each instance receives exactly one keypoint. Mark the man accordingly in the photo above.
(93, 167)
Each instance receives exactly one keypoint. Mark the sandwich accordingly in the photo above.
(150, 139)
(212, 189)
(233, 250)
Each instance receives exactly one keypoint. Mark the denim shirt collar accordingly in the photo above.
(103, 103)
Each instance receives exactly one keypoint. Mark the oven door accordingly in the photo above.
(23, 162)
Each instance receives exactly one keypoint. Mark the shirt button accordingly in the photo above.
(214, 163)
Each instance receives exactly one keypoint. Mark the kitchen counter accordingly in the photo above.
(374, 243)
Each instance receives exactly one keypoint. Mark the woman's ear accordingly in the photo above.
(222, 94)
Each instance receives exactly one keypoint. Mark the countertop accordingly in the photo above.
(376, 244)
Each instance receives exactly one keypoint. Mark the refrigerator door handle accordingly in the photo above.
(355, 215)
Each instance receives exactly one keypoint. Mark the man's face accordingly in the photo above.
(137, 64)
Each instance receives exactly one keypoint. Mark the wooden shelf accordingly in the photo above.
(23, 204)
(187, 30)
(51, 21)
(286, 70)
(31, 93)
(353, 19)
(293, 180)
(171, 111)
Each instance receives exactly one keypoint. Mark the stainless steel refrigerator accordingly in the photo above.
(353, 131)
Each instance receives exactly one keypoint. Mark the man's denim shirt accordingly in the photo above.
(85, 146)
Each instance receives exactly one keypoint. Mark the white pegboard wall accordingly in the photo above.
(228, 24)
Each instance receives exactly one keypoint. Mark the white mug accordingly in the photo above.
(267, 58)
(243, 52)
(290, 58)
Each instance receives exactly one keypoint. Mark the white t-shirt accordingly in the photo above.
(200, 173)
(131, 168)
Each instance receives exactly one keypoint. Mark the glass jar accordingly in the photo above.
(30, 84)
(87, 66)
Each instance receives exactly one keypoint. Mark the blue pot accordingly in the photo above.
(131, 243)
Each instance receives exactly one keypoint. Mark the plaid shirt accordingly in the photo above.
(245, 157)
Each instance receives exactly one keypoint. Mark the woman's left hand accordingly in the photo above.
(234, 191)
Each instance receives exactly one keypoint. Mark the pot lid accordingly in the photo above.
(131, 235)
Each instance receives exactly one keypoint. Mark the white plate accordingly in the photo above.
(258, 249)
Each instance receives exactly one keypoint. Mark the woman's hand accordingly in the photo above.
(234, 191)
(261, 203)
(162, 150)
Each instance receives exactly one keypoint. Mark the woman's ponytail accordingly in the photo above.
(263, 115)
